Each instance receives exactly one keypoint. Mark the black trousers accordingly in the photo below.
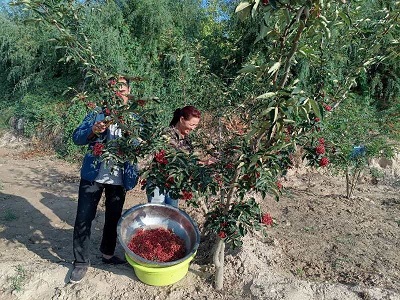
(88, 199)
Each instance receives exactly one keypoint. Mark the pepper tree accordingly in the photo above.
(256, 150)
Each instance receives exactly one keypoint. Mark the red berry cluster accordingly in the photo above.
(266, 219)
(143, 182)
(160, 157)
(186, 195)
(324, 161)
(229, 166)
(320, 149)
(218, 179)
(141, 102)
(279, 185)
(98, 149)
(222, 234)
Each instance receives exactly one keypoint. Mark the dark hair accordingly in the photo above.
(186, 112)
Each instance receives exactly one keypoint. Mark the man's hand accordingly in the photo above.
(99, 127)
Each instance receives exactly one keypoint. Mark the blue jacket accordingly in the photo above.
(91, 164)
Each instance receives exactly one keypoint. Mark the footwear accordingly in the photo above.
(114, 260)
(78, 273)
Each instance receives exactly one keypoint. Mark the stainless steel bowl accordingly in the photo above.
(151, 215)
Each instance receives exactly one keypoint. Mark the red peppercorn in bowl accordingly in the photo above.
(151, 221)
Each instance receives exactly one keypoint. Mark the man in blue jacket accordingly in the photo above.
(98, 176)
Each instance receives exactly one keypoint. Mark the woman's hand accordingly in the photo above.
(208, 161)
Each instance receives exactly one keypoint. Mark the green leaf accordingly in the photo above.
(243, 10)
(241, 164)
(263, 32)
(289, 121)
(276, 114)
(267, 95)
(316, 108)
(297, 90)
(249, 69)
(254, 9)
(287, 15)
(266, 111)
(345, 18)
(327, 32)
(273, 4)
(242, 6)
(274, 68)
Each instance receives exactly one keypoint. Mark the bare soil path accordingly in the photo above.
(323, 246)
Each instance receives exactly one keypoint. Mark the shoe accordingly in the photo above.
(78, 273)
(114, 260)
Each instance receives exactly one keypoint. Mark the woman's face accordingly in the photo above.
(124, 90)
(186, 126)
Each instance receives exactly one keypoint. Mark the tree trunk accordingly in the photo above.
(356, 176)
(219, 258)
(347, 184)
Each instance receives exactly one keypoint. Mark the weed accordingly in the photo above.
(300, 272)
(9, 216)
(18, 279)
(376, 173)
(308, 229)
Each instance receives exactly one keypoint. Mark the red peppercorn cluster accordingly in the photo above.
(279, 185)
(159, 244)
(267, 219)
(222, 234)
(98, 149)
(141, 102)
(186, 195)
(320, 149)
(323, 162)
(160, 157)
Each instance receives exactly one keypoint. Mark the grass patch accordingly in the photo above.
(9, 216)
(300, 272)
(17, 281)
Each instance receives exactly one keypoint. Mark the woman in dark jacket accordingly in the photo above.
(184, 121)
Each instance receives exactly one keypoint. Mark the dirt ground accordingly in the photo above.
(323, 247)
